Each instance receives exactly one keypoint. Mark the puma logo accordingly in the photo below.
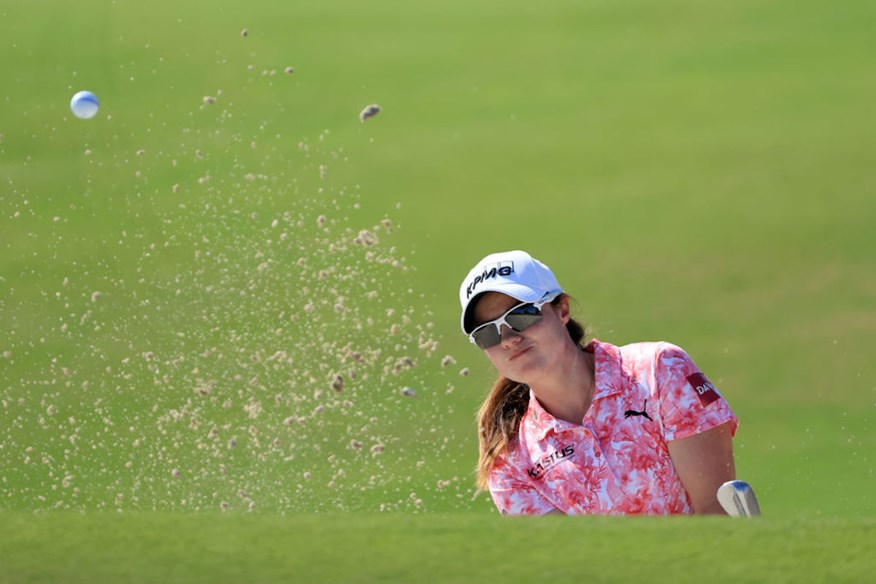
(629, 413)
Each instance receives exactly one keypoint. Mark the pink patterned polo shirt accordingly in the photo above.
(616, 461)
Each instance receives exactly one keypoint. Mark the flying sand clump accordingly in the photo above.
(368, 112)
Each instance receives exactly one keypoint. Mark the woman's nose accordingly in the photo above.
(509, 335)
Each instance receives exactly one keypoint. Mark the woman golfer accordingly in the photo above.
(588, 428)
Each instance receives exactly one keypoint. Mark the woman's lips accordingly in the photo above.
(518, 353)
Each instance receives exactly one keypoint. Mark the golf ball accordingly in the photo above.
(84, 105)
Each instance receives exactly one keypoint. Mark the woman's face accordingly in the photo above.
(525, 356)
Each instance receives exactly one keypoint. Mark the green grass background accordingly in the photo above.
(701, 173)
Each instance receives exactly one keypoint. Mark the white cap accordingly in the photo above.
(515, 273)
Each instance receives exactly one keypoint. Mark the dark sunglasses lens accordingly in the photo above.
(521, 322)
(486, 337)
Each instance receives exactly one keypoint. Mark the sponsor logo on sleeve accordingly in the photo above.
(704, 388)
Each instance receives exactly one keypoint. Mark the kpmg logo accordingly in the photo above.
(503, 269)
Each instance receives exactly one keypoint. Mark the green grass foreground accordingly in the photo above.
(166, 547)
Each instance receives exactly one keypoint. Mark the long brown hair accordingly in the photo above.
(499, 416)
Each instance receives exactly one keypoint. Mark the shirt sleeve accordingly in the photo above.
(688, 402)
(514, 495)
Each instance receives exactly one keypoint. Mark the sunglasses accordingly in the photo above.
(519, 318)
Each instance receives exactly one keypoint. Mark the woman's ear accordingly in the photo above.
(562, 308)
